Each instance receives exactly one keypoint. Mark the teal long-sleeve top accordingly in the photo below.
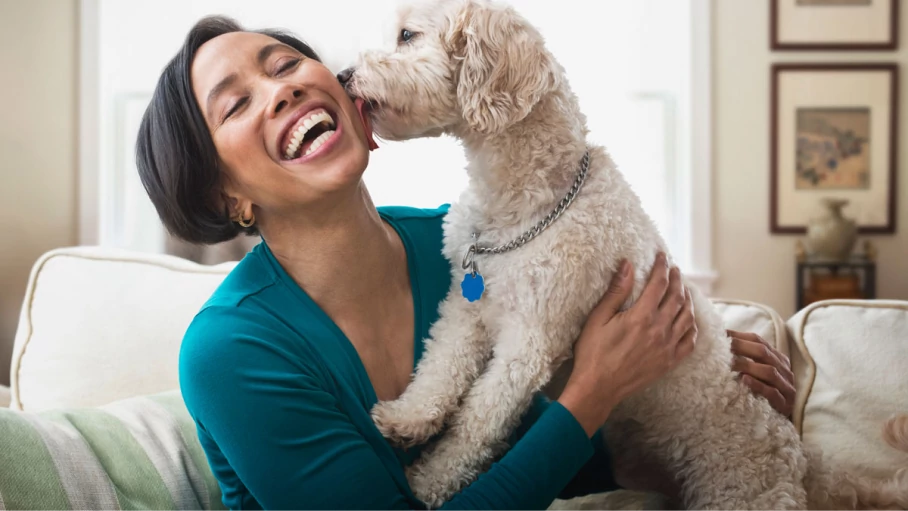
(281, 400)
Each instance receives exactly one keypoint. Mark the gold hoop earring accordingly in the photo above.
(246, 223)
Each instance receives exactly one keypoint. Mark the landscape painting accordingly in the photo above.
(833, 148)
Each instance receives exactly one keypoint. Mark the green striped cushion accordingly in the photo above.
(137, 453)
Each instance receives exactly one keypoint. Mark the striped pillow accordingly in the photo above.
(137, 453)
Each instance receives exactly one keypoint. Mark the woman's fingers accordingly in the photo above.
(686, 345)
(684, 318)
(776, 399)
(675, 295)
(768, 382)
(766, 352)
(618, 292)
(753, 346)
(656, 286)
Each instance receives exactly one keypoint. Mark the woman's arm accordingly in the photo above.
(596, 475)
(292, 446)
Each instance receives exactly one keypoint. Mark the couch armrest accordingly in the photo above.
(5, 396)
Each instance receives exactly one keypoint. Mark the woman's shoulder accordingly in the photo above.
(403, 213)
(251, 276)
(422, 227)
(233, 337)
(236, 316)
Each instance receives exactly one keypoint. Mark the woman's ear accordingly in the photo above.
(237, 207)
(505, 68)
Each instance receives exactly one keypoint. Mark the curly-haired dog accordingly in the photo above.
(479, 72)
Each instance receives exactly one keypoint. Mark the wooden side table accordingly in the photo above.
(824, 279)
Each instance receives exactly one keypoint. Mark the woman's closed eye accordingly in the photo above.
(285, 65)
(235, 108)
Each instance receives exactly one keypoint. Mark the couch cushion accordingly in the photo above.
(137, 453)
(100, 324)
(745, 316)
(849, 359)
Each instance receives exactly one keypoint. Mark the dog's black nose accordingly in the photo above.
(344, 76)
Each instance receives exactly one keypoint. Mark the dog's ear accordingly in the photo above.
(504, 67)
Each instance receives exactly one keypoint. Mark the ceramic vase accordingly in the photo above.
(831, 235)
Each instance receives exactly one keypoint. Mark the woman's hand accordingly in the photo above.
(620, 353)
(764, 369)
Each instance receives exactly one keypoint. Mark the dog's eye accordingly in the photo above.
(406, 36)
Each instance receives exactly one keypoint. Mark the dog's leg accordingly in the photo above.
(455, 352)
(523, 363)
(726, 446)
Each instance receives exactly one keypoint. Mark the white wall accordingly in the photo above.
(37, 145)
(752, 263)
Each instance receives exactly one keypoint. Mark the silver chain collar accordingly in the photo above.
(469, 259)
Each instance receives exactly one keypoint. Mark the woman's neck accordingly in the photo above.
(343, 257)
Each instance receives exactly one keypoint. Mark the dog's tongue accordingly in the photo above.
(367, 122)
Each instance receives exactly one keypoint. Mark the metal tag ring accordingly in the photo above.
(468, 257)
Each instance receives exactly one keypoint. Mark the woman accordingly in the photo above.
(328, 314)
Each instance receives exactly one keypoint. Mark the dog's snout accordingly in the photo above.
(345, 76)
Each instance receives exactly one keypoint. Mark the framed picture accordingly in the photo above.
(834, 24)
(833, 134)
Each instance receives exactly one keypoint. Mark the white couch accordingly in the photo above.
(99, 326)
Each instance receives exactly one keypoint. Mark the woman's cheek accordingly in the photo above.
(238, 147)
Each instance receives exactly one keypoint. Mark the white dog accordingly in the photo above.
(565, 218)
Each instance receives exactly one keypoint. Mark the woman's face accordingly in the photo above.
(286, 133)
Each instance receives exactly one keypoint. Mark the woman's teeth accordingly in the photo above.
(319, 141)
(298, 136)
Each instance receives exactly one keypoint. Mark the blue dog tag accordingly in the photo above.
(472, 286)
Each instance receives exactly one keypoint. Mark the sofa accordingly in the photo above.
(95, 419)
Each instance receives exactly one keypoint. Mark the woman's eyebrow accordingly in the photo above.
(218, 89)
(266, 51)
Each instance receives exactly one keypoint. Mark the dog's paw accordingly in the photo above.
(406, 426)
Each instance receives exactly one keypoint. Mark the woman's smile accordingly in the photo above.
(311, 131)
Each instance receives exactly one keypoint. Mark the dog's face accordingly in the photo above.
(454, 66)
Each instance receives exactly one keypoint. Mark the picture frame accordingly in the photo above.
(833, 134)
(834, 25)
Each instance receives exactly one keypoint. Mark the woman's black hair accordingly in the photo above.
(175, 155)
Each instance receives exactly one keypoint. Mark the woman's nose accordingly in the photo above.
(284, 97)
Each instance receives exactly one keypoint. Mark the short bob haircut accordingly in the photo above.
(175, 155)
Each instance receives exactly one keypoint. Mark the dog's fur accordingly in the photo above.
(479, 72)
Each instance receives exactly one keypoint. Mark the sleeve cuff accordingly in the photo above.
(561, 441)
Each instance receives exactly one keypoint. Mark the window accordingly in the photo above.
(639, 67)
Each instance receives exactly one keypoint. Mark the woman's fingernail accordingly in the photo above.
(625, 268)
